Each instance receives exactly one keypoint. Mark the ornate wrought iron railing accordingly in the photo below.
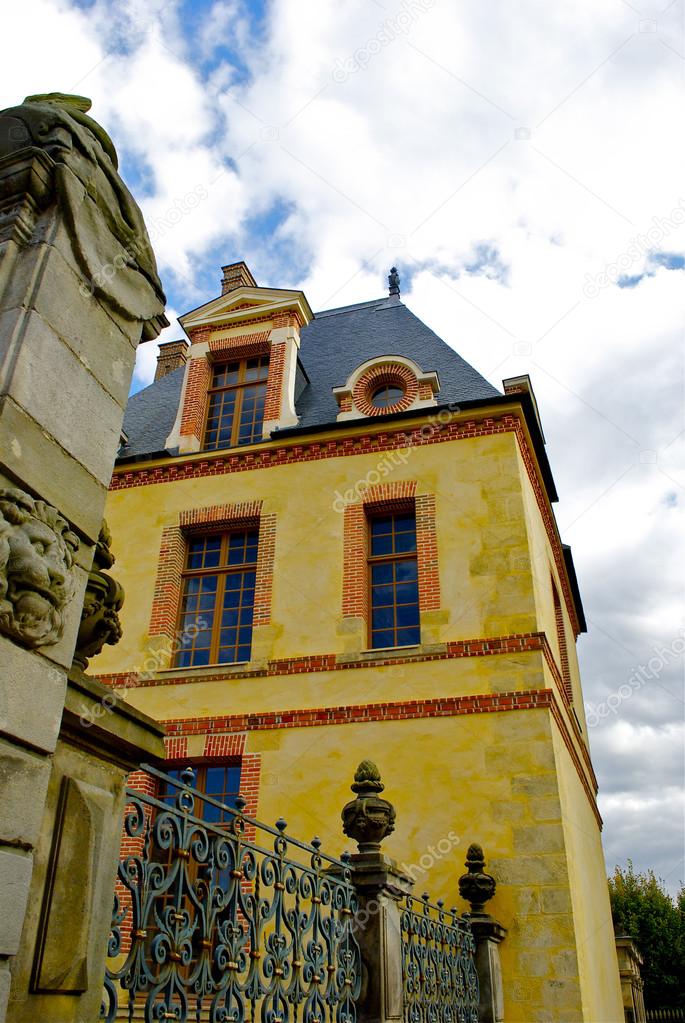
(227, 921)
(438, 967)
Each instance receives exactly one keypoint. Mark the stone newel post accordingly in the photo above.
(78, 291)
(380, 887)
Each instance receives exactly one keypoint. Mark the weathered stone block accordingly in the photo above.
(30, 455)
(541, 838)
(91, 334)
(15, 871)
(547, 808)
(556, 900)
(49, 396)
(535, 785)
(24, 780)
(23, 674)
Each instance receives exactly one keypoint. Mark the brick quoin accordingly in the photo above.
(274, 456)
(195, 399)
(274, 382)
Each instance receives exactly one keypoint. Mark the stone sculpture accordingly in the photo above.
(104, 597)
(36, 556)
(103, 220)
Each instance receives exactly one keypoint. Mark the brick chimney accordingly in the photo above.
(236, 275)
(172, 355)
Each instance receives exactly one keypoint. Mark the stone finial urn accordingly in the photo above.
(475, 886)
(368, 818)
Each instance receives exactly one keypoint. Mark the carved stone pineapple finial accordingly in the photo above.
(475, 886)
(368, 818)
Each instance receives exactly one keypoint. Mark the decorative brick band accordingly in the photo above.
(549, 522)
(175, 747)
(266, 552)
(483, 703)
(394, 374)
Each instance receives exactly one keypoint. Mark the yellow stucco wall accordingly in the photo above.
(503, 779)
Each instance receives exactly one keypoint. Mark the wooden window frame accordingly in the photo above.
(222, 571)
(240, 387)
(372, 513)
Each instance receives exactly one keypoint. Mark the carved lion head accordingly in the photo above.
(36, 556)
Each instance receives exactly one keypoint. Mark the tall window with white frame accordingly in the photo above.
(235, 411)
(393, 580)
(217, 599)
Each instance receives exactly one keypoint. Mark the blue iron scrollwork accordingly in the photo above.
(227, 922)
(438, 967)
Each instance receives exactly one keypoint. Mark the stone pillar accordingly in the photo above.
(78, 292)
(380, 886)
(478, 888)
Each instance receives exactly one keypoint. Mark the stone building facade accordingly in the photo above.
(337, 541)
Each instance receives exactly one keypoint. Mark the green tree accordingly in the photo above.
(642, 908)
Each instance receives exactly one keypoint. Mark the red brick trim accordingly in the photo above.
(164, 614)
(450, 706)
(288, 318)
(224, 744)
(274, 383)
(195, 399)
(288, 454)
(241, 346)
(220, 515)
(528, 642)
(391, 373)
(549, 522)
(561, 641)
(427, 551)
(354, 595)
(266, 552)
(175, 747)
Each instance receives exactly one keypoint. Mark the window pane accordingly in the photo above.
(381, 573)
(408, 637)
(381, 545)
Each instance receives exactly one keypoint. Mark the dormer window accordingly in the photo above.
(383, 386)
(235, 412)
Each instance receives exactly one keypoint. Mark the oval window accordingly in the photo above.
(387, 395)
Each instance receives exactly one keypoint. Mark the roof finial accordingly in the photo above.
(394, 281)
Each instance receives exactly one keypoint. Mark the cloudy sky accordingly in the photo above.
(522, 165)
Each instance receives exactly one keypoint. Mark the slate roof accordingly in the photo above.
(333, 345)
